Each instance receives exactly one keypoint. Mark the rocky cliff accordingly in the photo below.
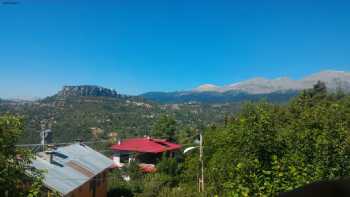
(86, 90)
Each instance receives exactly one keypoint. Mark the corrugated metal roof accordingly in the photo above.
(73, 165)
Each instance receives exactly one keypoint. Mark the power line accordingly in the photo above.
(61, 143)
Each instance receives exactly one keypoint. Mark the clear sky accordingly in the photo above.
(165, 45)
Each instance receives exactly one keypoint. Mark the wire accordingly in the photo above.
(61, 143)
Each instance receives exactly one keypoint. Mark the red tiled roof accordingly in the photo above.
(148, 168)
(145, 145)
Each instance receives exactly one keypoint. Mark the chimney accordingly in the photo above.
(51, 151)
(80, 141)
(51, 156)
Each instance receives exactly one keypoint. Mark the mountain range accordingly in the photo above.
(74, 110)
(78, 111)
(275, 90)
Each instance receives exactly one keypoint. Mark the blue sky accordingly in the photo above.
(139, 46)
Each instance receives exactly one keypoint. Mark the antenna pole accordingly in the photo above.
(44, 140)
(42, 135)
(201, 186)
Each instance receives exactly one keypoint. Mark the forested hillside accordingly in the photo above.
(212, 97)
(81, 112)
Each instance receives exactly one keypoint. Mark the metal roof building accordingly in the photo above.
(149, 152)
(70, 167)
(145, 145)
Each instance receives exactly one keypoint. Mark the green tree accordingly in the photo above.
(186, 135)
(17, 178)
(117, 186)
(320, 87)
(165, 128)
(267, 149)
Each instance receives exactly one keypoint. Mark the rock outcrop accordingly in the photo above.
(86, 90)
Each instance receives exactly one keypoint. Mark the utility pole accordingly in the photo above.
(200, 173)
(201, 181)
(44, 134)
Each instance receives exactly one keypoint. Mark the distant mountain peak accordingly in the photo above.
(86, 90)
(328, 74)
(277, 89)
(282, 79)
(260, 85)
(206, 87)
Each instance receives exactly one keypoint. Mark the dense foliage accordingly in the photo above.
(164, 128)
(267, 148)
(17, 178)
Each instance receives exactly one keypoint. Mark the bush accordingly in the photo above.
(268, 149)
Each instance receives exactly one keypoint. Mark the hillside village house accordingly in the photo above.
(74, 170)
(147, 151)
